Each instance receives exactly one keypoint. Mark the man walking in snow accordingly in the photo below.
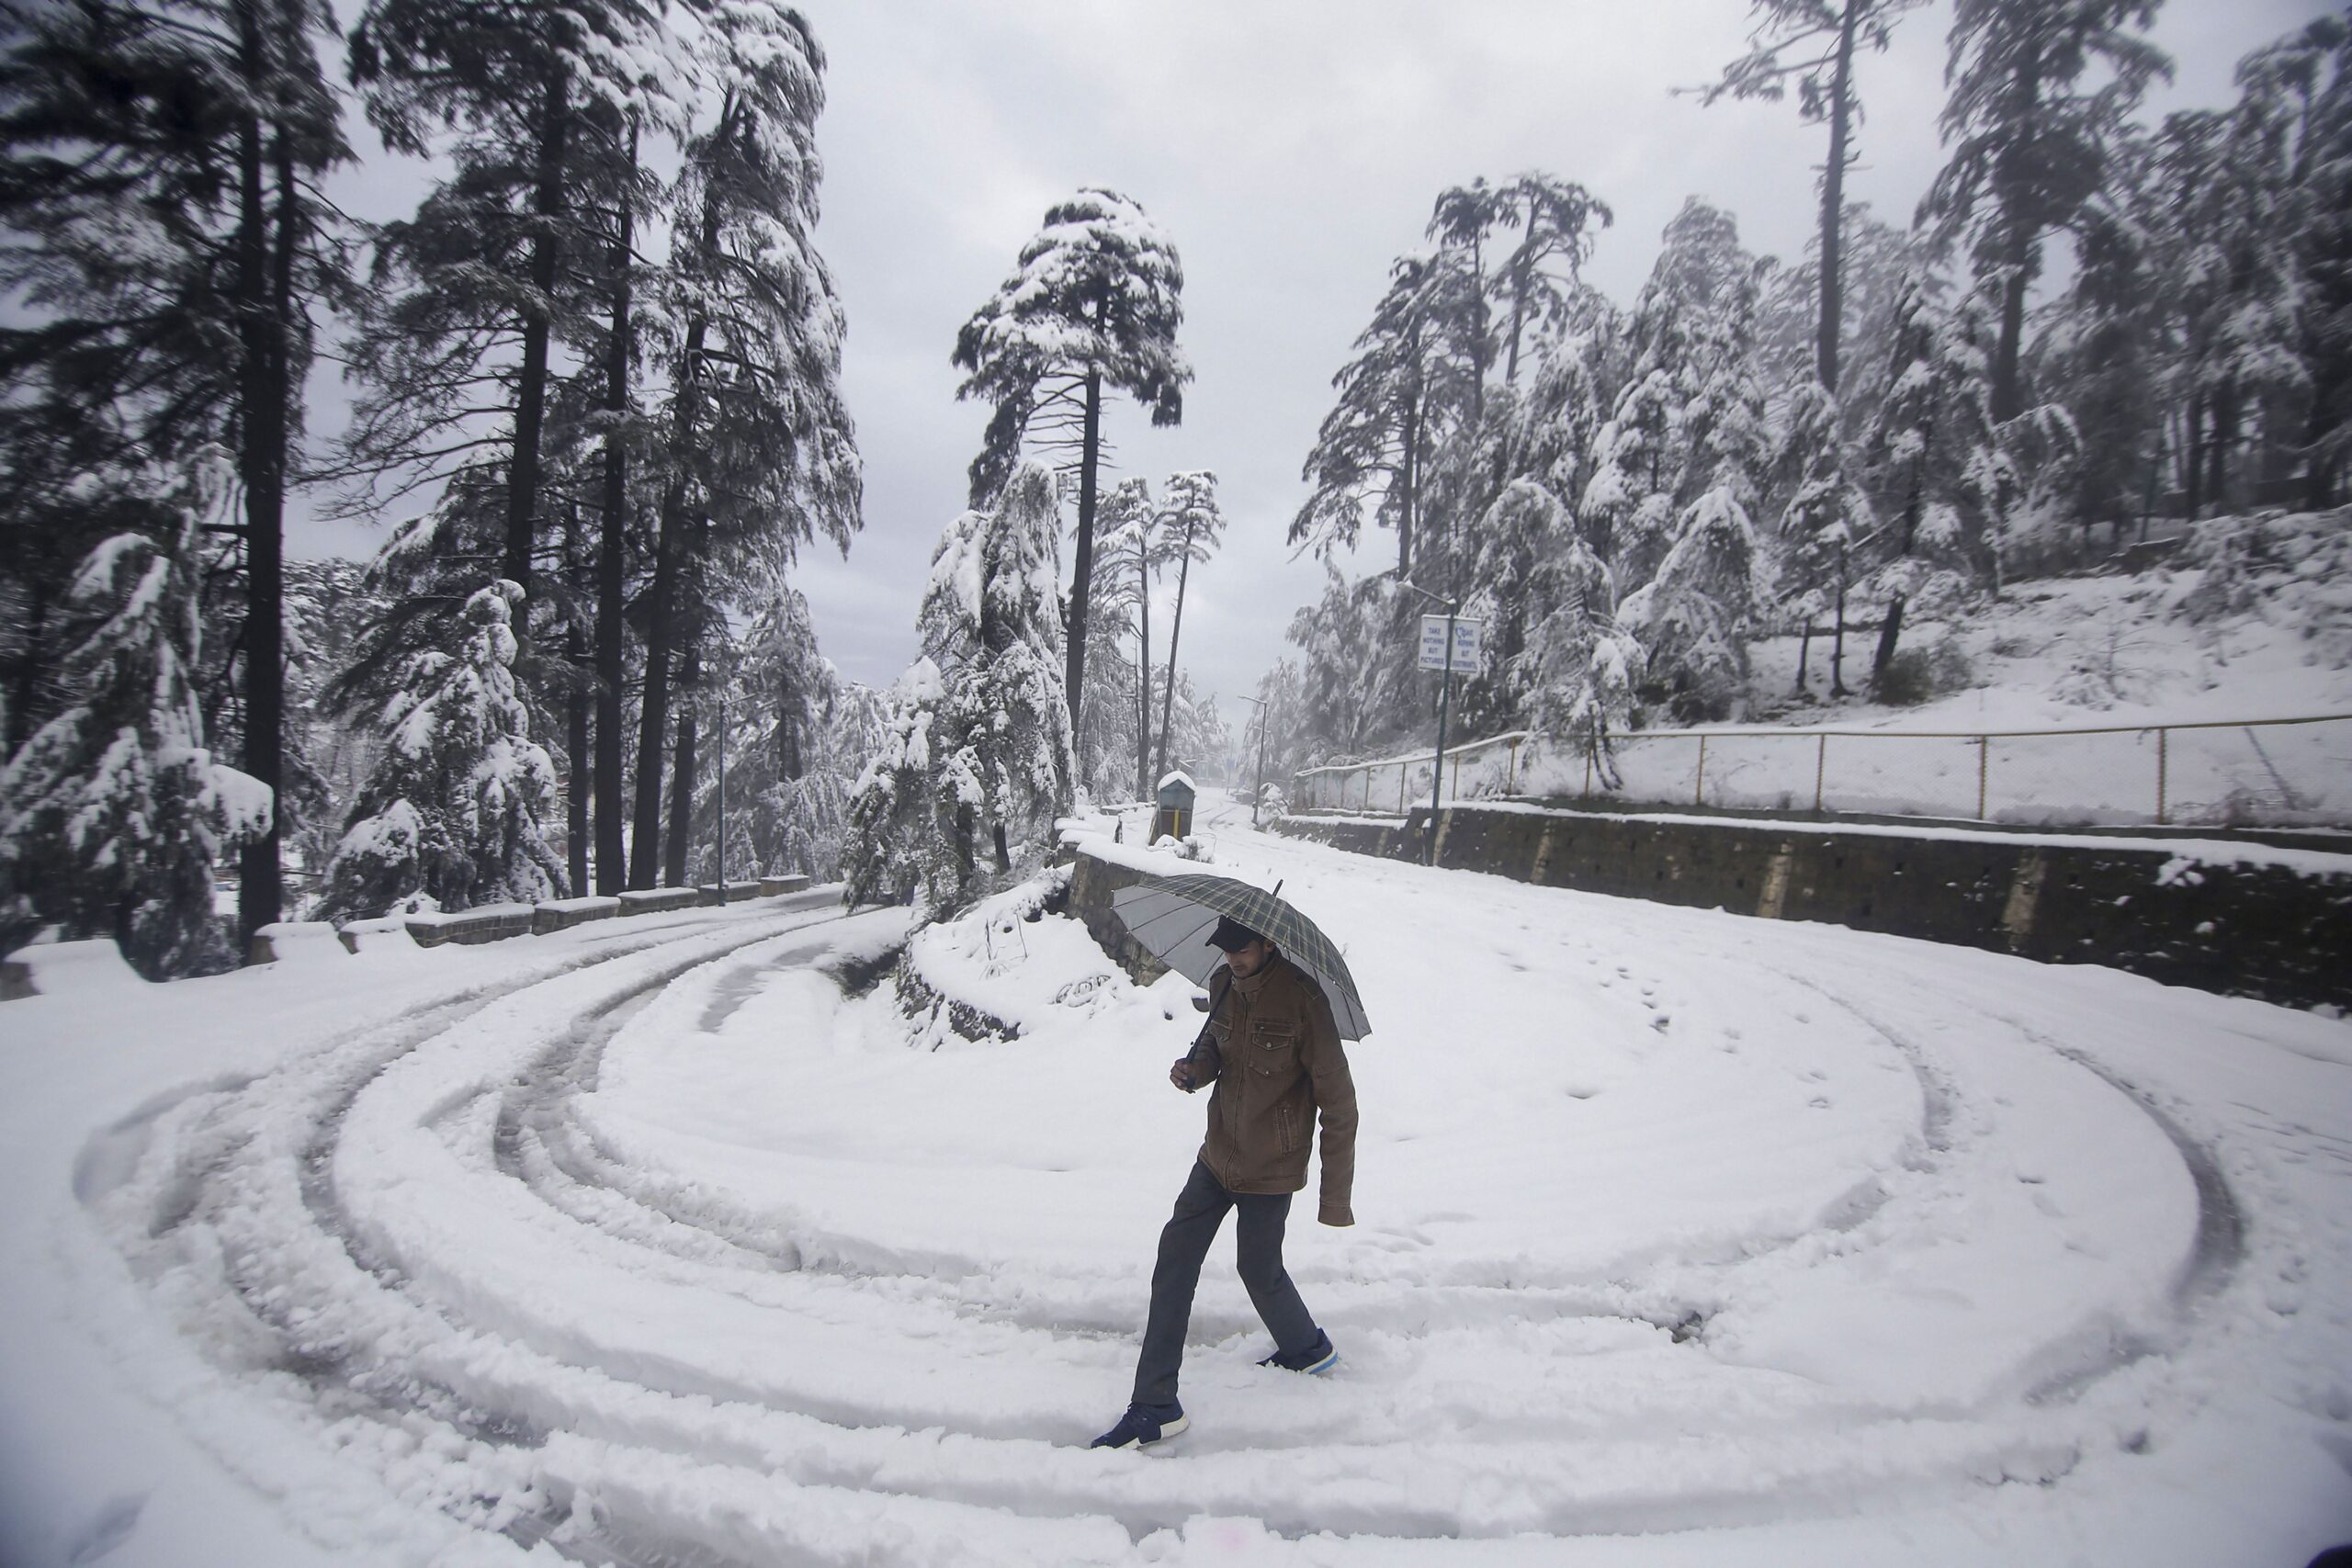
(1273, 1053)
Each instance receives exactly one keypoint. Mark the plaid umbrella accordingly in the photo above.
(1173, 916)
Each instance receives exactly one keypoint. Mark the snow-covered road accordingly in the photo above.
(1684, 1239)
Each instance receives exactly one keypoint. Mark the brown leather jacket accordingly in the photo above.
(1274, 1054)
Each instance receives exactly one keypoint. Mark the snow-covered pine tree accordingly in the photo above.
(1691, 419)
(1812, 43)
(1555, 219)
(1095, 305)
(1109, 718)
(1349, 675)
(1941, 484)
(793, 743)
(1569, 399)
(977, 760)
(1576, 676)
(114, 815)
(1197, 738)
(1127, 539)
(2321, 55)
(470, 289)
(898, 848)
(2234, 193)
(2028, 136)
(452, 812)
(1875, 259)
(1523, 534)
(1628, 503)
(1822, 513)
(1692, 618)
(1190, 527)
(1410, 385)
(756, 450)
(165, 246)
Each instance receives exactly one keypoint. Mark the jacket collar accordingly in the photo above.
(1256, 983)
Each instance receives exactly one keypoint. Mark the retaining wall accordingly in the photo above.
(2242, 920)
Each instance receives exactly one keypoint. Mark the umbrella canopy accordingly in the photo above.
(1172, 916)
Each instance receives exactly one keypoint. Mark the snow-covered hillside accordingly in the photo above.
(2253, 620)
(1682, 1239)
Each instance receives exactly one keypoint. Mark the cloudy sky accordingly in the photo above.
(1291, 149)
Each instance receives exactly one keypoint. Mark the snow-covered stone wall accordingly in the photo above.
(2239, 919)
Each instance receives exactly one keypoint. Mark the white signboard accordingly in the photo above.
(1468, 643)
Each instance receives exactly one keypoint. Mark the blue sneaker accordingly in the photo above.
(1138, 1428)
(1314, 1360)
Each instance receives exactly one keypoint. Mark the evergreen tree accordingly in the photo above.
(510, 97)
(2313, 68)
(452, 812)
(1554, 219)
(1412, 383)
(1129, 549)
(1823, 512)
(158, 168)
(1349, 675)
(1579, 669)
(1109, 719)
(1692, 618)
(1095, 305)
(1812, 43)
(1691, 418)
(1941, 482)
(977, 754)
(114, 815)
(2038, 89)
(757, 450)
(1190, 527)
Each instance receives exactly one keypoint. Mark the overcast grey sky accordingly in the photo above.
(1291, 149)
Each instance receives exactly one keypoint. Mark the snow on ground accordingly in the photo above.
(1683, 1239)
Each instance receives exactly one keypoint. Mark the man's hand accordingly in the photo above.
(1180, 1075)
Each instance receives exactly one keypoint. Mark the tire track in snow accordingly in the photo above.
(632, 1463)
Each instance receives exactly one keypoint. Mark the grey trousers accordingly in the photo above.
(1200, 1211)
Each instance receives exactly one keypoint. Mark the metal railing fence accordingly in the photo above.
(2274, 772)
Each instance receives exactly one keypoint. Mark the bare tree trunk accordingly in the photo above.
(653, 710)
(1889, 634)
(1833, 197)
(1082, 568)
(1168, 702)
(2225, 434)
(1838, 645)
(2194, 449)
(611, 630)
(579, 769)
(29, 666)
(531, 386)
(681, 782)
(1143, 687)
(263, 299)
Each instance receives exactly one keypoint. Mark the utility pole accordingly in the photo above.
(1444, 702)
(1258, 792)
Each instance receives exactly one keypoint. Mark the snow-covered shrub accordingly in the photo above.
(453, 808)
(1923, 673)
(113, 813)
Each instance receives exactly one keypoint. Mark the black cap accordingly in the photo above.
(1231, 934)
